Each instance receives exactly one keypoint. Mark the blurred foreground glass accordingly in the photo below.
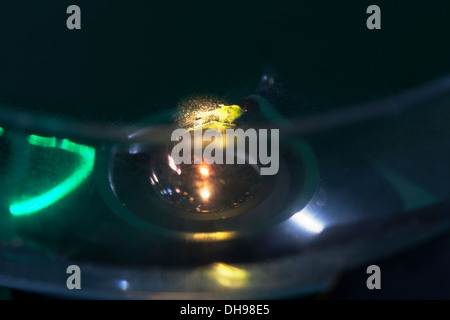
(355, 184)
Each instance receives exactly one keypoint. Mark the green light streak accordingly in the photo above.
(1, 131)
(48, 198)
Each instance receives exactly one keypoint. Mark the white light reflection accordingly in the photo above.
(307, 221)
(134, 149)
(173, 166)
(124, 285)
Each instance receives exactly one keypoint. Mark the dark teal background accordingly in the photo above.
(133, 58)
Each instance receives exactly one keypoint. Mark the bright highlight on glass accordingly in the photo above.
(173, 166)
(204, 171)
(1, 131)
(210, 236)
(87, 157)
(205, 194)
(307, 221)
(124, 285)
(229, 276)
